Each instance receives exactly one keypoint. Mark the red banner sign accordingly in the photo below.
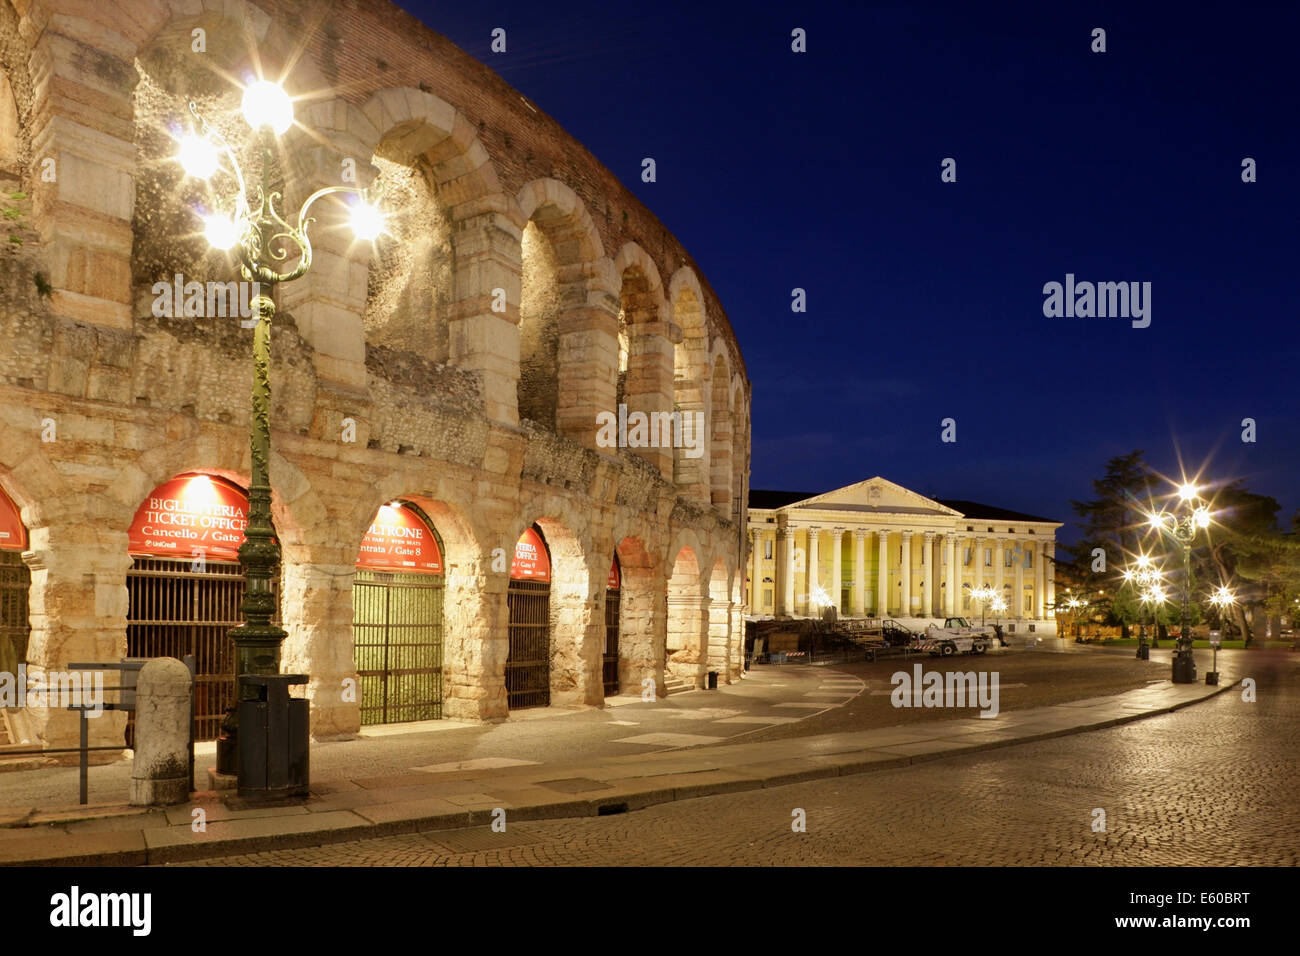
(192, 513)
(615, 576)
(13, 536)
(531, 562)
(400, 541)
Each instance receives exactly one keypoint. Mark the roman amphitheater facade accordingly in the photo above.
(458, 366)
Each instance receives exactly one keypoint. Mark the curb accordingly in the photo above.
(135, 849)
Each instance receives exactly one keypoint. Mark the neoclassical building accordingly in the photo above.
(456, 541)
(876, 549)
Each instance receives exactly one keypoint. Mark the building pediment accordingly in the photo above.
(876, 495)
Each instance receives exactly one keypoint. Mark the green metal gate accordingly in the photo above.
(528, 664)
(397, 623)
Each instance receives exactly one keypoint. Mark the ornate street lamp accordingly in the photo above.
(270, 251)
(1189, 516)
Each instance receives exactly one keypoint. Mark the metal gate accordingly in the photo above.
(397, 626)
(528, 664)
(15, 581)
(176, 610)
(610, 659)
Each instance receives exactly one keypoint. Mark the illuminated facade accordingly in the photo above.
(453, 373)
(876, 549)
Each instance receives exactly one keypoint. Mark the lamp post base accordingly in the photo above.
(1144, 652)
(1212, 678)
(1184, 668)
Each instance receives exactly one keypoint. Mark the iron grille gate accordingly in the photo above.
(397, 627)
(528, 664)
(15, 581)
(610, 661)
(175, 611)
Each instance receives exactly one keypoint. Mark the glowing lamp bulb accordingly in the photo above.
(1157, 521)
(1187, 492)
(266, 104)
(220, 232)
(198, 156)
(1202, 516)
(367, 222)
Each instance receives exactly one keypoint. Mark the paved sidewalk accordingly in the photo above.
(466, 793)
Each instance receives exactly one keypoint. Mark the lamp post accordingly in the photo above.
(261, 239)
(1221, 599)
(1190, 516)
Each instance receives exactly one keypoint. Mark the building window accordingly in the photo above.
(988, 557)
(1011, 629)
(1031, 628)
(1008, 555)
(767, 597)
(1029, 558)
(767, 549)
(965, 557)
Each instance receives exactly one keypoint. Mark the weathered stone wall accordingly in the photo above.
(394, 375)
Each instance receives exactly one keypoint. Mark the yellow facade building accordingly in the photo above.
(876, 549)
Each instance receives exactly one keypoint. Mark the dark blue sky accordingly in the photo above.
(822, 170)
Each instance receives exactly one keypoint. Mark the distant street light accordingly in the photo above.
(1221, 599)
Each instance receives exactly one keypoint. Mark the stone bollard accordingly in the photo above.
(160, 775)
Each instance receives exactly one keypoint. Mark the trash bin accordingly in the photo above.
(713, 680)
(273, 736)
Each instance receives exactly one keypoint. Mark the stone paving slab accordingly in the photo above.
(466, 794)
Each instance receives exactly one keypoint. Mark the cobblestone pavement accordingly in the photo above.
(1212, 784)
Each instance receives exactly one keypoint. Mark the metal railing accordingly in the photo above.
(129, 668)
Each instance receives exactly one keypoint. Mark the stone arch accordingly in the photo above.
(410, 127)
(642, 606)
(720, 433)
(719, 611)
(686, 644)
(690, 374)
(577, 630)
(645, 352)
(15, 95)
(740, 445)
(567, 335)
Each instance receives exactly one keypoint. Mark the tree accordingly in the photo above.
(1109, 523)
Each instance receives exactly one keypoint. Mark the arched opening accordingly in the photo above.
(397, 617)
(528, 598)
(8, 128)
(15, 585)
(690, 466)
(642, 618)
(539, 332)
(739, 449)
(185, 585)
(645, 378)
(609, 660)
(409, 283)
(720, 437)
(719, 658)
(686, 618)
